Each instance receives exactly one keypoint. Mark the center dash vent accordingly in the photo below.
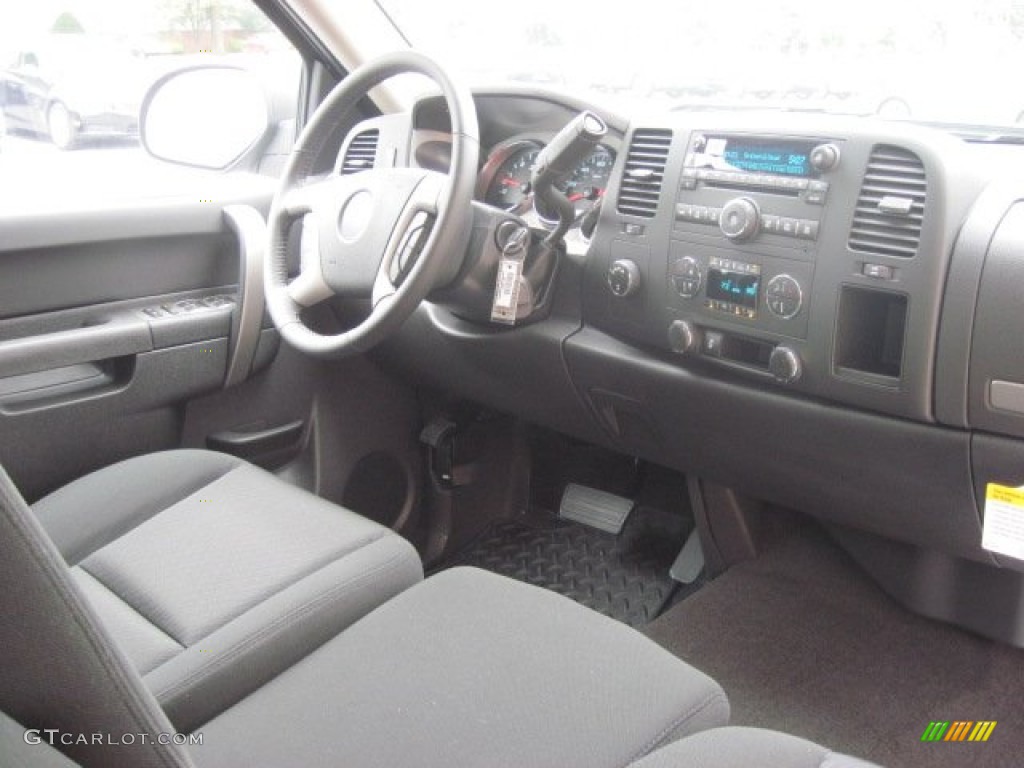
(890, 208)
(644, 172)
(361, 153)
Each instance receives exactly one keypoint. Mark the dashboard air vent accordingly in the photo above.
(890, 208)
(644, 172)
(361, 153)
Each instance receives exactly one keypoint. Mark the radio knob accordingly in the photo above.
(824, 157)
(739, 219)
(785, 365)
(683, 337)
(623, 278)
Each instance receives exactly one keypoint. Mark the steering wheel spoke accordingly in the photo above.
(410, 237)
(309, 287)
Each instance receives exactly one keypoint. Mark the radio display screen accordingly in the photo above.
(739, 288)
(750, 155)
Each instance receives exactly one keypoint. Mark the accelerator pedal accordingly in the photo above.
(690, 562)
(589, 506)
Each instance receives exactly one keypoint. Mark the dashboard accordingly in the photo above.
(821, 312)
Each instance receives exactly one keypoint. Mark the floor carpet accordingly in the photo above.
(803, 642)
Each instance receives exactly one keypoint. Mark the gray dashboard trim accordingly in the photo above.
(956, 329)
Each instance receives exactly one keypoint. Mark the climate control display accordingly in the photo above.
(733, 287)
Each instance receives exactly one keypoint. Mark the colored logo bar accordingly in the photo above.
(959, 730)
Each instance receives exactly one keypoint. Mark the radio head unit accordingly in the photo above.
(753, 155)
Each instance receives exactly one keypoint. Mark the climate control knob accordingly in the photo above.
(739, 219)
(623, 278)
(683, 337)
(785, 364)
(784, 296)
(687, 277)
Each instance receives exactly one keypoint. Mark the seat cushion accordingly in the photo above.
(214, 575)
(744, 747)
(470, 669)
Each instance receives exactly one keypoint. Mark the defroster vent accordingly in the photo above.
(644, 172)
(361, 153)
(890, 208)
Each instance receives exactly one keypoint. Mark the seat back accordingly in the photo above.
(61, 670)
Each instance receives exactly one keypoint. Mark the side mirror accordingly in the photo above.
(205, 117)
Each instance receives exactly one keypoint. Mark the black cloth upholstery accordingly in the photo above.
(213, 575)
(470, 669)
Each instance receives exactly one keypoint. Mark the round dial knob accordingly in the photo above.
(683, 337)
(785, 364)
(784, 296)
(824, 157)
(623, 277)
(739, 219)
(687, 277)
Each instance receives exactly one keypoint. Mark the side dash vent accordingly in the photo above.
(644, 172)
(890, 209)
(361, 153)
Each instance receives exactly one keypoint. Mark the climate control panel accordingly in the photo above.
(718, 285)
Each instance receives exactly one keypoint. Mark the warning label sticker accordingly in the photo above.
(1003, 530)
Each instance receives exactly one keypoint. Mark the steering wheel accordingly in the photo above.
(384, 235)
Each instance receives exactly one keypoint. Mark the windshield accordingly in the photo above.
(938, 62)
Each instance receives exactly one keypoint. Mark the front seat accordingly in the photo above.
(213, 575)
(466, 668)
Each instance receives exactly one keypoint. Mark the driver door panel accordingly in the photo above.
(110, 324)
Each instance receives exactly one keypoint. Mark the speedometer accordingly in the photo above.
(510, 185)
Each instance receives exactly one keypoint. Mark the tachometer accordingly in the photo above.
(510, 185)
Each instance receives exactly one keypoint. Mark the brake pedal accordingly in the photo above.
(589, 506)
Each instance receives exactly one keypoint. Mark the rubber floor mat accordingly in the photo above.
(624, 577)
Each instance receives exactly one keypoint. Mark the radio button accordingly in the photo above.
(770, 223)
(787, 226)
(807, 229)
